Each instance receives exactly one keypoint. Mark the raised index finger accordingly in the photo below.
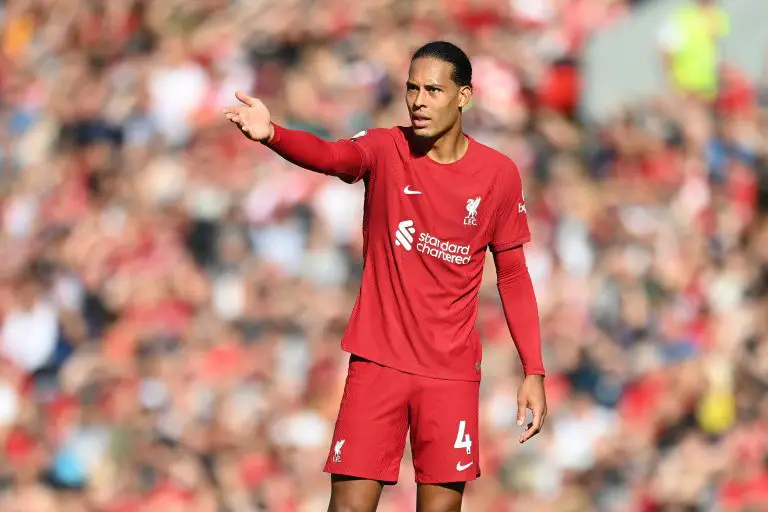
(247, 100)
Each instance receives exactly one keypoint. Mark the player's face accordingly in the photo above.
(434, 100)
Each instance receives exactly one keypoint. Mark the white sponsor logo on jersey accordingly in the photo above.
(404, 234)
(430, 245)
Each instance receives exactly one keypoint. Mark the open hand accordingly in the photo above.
(252, 118)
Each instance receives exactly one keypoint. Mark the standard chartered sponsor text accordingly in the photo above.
(447, 251)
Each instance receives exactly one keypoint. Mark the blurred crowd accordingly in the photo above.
(172, 296)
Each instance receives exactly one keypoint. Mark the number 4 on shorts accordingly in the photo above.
(462, 439)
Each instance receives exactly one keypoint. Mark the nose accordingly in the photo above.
(418, 101)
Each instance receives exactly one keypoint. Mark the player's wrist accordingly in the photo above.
(271, 136)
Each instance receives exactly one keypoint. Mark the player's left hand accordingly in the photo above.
(531, 396)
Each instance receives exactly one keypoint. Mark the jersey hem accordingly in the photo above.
(431, 375)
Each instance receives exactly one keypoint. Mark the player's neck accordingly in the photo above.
(449, 147)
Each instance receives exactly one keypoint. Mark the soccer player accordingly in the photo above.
(435, 201)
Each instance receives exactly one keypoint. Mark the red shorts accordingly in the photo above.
(380, 404)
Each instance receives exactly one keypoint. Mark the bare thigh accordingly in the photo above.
(440, 497)
(352, 494)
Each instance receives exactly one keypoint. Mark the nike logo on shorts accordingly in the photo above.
(459, 466)
(409, 191)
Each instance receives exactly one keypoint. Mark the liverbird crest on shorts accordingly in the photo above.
(337, 451)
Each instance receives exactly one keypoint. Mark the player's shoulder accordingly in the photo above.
(374, 134)
(499, 164)
(500, 171)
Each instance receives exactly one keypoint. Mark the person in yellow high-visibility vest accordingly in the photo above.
(690, 47)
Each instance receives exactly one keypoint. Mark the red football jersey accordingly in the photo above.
(426, 228)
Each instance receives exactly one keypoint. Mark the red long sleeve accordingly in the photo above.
(520, 308)
(342, 159)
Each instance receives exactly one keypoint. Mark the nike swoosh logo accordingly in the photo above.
(409, 192)
(459, 467)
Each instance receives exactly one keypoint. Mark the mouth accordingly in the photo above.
(419, 121)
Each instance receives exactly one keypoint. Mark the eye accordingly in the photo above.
(431, 88)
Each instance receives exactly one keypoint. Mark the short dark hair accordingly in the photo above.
(452, 54)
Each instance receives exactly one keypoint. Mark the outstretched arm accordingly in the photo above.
(343, 159)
